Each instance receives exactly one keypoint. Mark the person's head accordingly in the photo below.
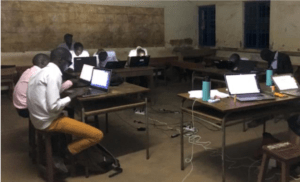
(68, 38)
(78, 48)
(102, 56)
(266, 55)
(234, 58)
(61, 57)
(40, 60)
(140, 52)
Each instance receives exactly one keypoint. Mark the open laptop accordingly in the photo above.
(85, 76)
(245, 87)
(245, 66)
(99, 83)
(80, 61)
(139, 61)
(286, 84)
(115, 65)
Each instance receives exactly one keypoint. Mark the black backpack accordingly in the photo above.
(116, 79)
(98, 159)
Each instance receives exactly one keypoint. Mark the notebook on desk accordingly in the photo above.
(80, 61)
(99, 83)
(286, 84)
(139, 61)
(245, 87)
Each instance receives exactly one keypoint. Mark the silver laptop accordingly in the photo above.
(245, 87)
(99, 83)
(286, 84)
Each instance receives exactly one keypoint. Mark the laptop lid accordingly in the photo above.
(242, 84)
(101, 79)
(86, 73)
(115, 64)
(285, 82)
(245, 66)
(80, 61)
(139, 61)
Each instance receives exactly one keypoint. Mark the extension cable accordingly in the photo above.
(189, 128)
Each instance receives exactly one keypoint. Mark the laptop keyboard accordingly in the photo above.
(250, 97)
(91, 92)
(292, 92)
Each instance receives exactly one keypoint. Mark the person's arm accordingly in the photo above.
(288, 65)
(66, 85)
(53, 100)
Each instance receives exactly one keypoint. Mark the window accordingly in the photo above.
(207, 25)
(257, 22)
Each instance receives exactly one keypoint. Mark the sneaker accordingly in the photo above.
(60, 165)
(139, 111)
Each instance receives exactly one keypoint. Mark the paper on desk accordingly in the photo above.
(213, 93)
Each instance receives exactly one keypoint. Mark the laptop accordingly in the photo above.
(85, 76)
(245, 87)
(99, 83)
(245, 66)
(80, 61)
(139, 61)
(286, 84)
(115, 65)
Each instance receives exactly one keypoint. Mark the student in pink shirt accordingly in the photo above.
(19, 96)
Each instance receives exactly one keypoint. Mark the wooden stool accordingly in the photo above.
(284, 152)
(49, 158)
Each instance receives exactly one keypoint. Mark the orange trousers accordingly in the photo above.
(88, 135)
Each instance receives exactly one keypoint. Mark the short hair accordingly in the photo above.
(78, 45)
(40, 59)
(265, 54)
(234, 58)
(140, 51)
(102, 56)
(60, 53)
(68, 35)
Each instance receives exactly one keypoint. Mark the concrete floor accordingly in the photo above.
(126, 143)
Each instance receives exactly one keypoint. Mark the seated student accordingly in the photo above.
(69, 44)
(106, 56)
(139, 51)
(234, 60)
(78, 52)
(96, 55)
(19, 96)
(45, 105)
(277, 61)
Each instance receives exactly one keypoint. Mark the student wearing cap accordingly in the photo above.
(69, 44)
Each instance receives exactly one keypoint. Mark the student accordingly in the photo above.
(106, 56)
(45, 105)
(139, 51)
(78, 52)
(69, 44)
(19, 96)
(277, 61)
(234, 60)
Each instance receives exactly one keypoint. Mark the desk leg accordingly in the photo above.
(223, 147)
(147, 130)
(106, 122)
(264, 127)
(181, 143)
(82, 115)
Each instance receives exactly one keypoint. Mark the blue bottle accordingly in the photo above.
(269, 74)
(206, 89)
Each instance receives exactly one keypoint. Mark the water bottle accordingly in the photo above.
(269, 74)
(206, 89)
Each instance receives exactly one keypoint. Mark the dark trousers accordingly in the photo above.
(24, 113)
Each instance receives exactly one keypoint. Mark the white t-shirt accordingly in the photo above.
(83, 54)
(133, 52)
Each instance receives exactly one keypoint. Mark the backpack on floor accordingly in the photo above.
(99, 159)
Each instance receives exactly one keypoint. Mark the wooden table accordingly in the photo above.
(227, 113)
(115, 100)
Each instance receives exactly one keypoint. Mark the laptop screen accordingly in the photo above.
(100, 78)
(285, 82)
(86, 72)
(242, 84)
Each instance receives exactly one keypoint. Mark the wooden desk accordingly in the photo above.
(116, 99)
(227, 113)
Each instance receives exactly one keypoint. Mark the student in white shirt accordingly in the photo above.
(45, 105)
(139, 51)
(69, 44)
(78, 52)
(105, 56)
